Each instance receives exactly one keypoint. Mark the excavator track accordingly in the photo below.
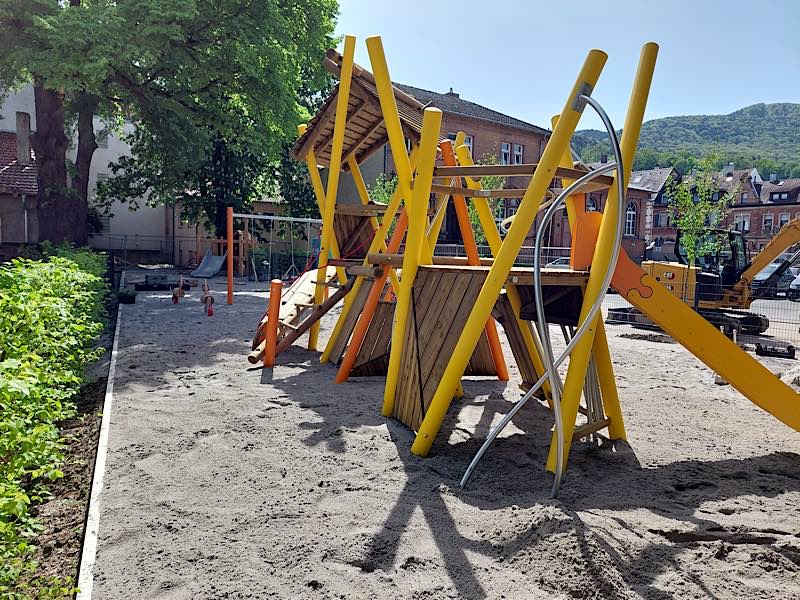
(742, 321)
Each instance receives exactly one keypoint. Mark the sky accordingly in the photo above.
(521, 58)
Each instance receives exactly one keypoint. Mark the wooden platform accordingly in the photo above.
(442, 300)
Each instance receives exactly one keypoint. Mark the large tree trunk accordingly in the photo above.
(85, 107)
(61, 216)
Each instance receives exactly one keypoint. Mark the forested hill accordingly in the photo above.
(766, 136)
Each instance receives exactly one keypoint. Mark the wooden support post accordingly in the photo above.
(271, 335)
(230, 254)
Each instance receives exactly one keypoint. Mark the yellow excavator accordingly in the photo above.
(720, 284)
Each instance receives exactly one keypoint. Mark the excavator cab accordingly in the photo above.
(722, 260)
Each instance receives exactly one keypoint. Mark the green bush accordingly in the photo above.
(51, 315)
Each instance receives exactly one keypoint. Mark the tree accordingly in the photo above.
(490, 182)
(188, 74)
(695, 211)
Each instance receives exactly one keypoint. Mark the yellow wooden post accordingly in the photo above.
(415, 245)
(579, 358)
(505, 258)
(576, 206)
(380, 235)
(319, 193)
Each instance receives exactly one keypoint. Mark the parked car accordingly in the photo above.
(559, 263)
(781, 288)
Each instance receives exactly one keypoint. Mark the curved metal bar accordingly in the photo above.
(500, 426)
(589, 317)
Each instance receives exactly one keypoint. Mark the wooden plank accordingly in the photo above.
(349, 323)
(361, 210)
(455, 324)
(589, 428)
(438, 329)
(521, 170)
(407, 379)
(428, 297)
(376, 340)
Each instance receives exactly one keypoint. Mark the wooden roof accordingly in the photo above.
(365, 132)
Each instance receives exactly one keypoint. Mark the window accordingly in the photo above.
(101, 137)
(505, 153)
(783, 219)
(744, 198)
(518, 153)
(408, 144)
(630, 219)
(741, 222)
(784, 196)
(468, 140)
(591, 204)
(660, 220)
(766, 223)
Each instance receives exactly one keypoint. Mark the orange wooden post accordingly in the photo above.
(471, 247)
(360, 331)
(230, 255)
(271, 335)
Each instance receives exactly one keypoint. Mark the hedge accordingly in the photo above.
(51, 316)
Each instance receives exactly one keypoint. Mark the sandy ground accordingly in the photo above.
(224, 482)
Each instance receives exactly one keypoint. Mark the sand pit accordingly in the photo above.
(223, 483)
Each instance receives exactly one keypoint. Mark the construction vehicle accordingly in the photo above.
(720, 284)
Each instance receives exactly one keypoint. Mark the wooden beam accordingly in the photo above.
(318, 128)
(522, 170)
(332, 61)
(361, 210)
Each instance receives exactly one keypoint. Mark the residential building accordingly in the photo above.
(489, 133)
(18, 189)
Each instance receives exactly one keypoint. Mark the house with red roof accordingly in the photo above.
(18, 188)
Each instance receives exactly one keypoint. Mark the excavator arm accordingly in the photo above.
(784, 239)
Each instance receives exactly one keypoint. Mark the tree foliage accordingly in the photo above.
(193, 77)
(695, 210)
(489, 182)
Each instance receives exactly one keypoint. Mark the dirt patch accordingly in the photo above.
(648, 337)
(64, 515)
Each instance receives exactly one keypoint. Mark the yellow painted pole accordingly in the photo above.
(415, 238)
(361, 188)
(576, 206)
(319, 193)
(509, 249)
(494, 241)
(579, 359)
(391, 118)
(334, 169)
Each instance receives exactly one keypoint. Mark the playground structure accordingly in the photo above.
(426, 321)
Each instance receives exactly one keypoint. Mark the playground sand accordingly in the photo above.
(224, 482)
